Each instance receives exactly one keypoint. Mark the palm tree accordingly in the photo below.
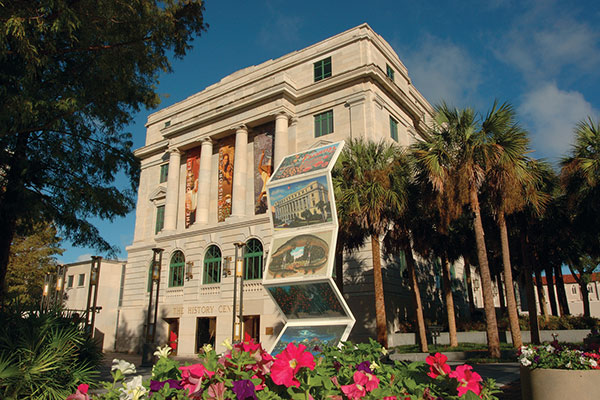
(453, 158)
(367, 196)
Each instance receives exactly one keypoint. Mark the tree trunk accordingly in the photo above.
(486, 279)
(563, 303)
(513, 314)
(380, 317)
(533, 321)
(541, 294)
(414, 283)
(469, 287)
(449, 301)
(550, 285)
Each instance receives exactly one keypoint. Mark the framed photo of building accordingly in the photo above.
(309, 300)
(307, 255)
(303, 203)
(305, 162)
(314, 336)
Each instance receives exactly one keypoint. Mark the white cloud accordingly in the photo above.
(84, 257)
(552, 114)
(442, 70)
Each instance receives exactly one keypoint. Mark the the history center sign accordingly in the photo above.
(299, 270)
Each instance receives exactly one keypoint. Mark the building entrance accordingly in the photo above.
(205, 332)
(252, 326)
(173, 334)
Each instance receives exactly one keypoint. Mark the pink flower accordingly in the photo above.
(192, 377)
(372, 383)
(437, 365)
(216, 391)
(363, 383)
(467, 379)
(288, 363)
(81, 393)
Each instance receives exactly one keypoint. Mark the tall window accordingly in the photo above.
(212, 265)
(324, 123)
(323, 69)
(81, 280)
(176, 269)
(164, 172)
(70, 281)
(389, 72)
(160, 219)
(253, 260)
(394, 129)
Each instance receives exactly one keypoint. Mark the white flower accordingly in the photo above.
(207, 347)
(384, 351)
(163, 352)
(125, 367)
(583, 360)
(373, 366)
(526, 351)
(550, 349)
(227, 344)
(133, 389)
(525, 362)
(569, 365)
(593, 363)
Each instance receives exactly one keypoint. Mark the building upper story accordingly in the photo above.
(200, 166)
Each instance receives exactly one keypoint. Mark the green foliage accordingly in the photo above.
(43, 356)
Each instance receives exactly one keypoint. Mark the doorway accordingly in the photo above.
(173, 336)
(252, 327)
(206, 329)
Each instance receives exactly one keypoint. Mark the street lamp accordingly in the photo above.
(150, 333)
(236, 327)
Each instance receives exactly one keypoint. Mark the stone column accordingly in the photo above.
(281, 138)
(238, 205)
(204, 181)
(172, 200)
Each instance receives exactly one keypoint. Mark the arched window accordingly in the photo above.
(253, 259)
(176, 269)
(212, 265)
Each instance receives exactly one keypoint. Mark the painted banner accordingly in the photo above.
(226, 152)
(263, 165)
(191, 185)
(306, 161)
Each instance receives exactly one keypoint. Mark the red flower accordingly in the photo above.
(467, 380)
(192, 377)
(437, 365)
(288, 363)
(363, 383)
(81, 393)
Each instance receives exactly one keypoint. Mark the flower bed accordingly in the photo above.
(245, 371)
(557, 356)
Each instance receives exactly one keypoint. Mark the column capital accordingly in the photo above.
(282, 115)
(240, 127)
(174, 150)
(206, 141)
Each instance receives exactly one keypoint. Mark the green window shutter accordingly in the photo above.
(212, 265)
(253, 260)
(324, 123)
(394, 129)
(389, 72)
(176, 269)
(164, 173)
(160, 219)
(322, 69)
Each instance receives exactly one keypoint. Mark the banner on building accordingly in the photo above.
(191, 185)
(226, 153)
(307, 161)
(263, 165)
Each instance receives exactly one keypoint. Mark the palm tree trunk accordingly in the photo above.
(513, 315)
(563, 304)
(486, 279)
(414, 283)
(534, 328)
(449, 301)
(469, 287)
(380, 317)
(541, 294)
(550, 285)
(585, 294)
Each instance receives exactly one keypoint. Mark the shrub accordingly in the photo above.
(43, 356)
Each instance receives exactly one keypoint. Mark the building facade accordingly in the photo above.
(204, 167)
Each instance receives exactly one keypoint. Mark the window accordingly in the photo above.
(574, 289)
(253, 260)
(324, 123)
(70, 281)
(323, 69)
(212, 265)
(164, 173)
(389, 72)
(394, 129)
(176, 269)
(160, 218)
(81, 280)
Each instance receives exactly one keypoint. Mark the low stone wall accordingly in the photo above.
(572, 335)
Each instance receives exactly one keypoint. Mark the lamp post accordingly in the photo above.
(45, 293)
(237, 327)
(92, 298)
(150, 333)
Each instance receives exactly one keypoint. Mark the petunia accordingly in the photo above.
(155, 386)
(437, 365)
(364, 366)
(244, 390)
(125, 367)
(467, 380)
(133, 390)
(163, 352)
(216, 391)
(192, 377)
(289, 362)
(81, 393)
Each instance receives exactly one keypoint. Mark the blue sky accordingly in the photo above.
(541, 56)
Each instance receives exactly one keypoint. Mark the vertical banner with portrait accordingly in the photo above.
(263, 165)
(226, 153)
(191, 185)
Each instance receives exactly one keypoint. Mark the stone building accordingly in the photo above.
(202, 185)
